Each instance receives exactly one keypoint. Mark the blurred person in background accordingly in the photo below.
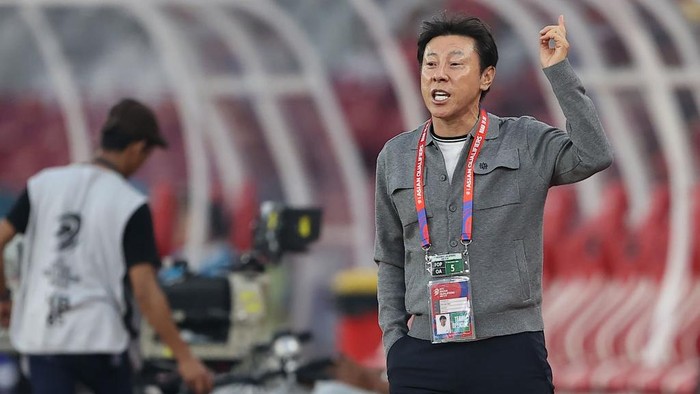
(86, 231)
(483, 224)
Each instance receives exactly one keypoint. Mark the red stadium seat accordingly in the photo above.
(559, 214)
(243, 214)
(599, 346)
(164, 207)
(581, 280)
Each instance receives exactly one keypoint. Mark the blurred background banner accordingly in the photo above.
(292, 100)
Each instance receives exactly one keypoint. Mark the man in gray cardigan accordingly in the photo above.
(465, 193)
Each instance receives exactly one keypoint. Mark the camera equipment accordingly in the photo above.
(283, 229)
(224, 317)
(221, 318)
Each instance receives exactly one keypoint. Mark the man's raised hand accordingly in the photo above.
(557, 33)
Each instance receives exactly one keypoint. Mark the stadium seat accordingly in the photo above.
(164, 207)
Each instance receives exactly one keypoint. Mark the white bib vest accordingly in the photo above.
(71, 294)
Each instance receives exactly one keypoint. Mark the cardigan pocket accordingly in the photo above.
(523, 271)
(496, 180)
(404, 201)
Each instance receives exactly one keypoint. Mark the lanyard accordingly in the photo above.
(468, 195)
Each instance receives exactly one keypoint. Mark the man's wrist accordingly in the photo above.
(183, 353)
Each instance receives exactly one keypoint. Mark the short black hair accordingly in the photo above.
(443, 317)
(460, 25)
(130, 121)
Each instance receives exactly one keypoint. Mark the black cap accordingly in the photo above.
(130, 120)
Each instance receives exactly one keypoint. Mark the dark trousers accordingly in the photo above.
(101, 373)
(506, 364)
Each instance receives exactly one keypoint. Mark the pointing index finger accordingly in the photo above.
(561, 23)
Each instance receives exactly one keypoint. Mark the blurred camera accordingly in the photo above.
(282, 229)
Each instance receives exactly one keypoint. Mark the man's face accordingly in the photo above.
(137, 153)
(443, 321)
(451, 80)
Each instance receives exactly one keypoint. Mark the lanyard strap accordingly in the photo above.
(468, 195)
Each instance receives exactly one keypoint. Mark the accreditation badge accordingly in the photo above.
(451, 309)
(446, 264)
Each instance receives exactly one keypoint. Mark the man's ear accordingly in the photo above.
(137, 146)
(487, 77)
